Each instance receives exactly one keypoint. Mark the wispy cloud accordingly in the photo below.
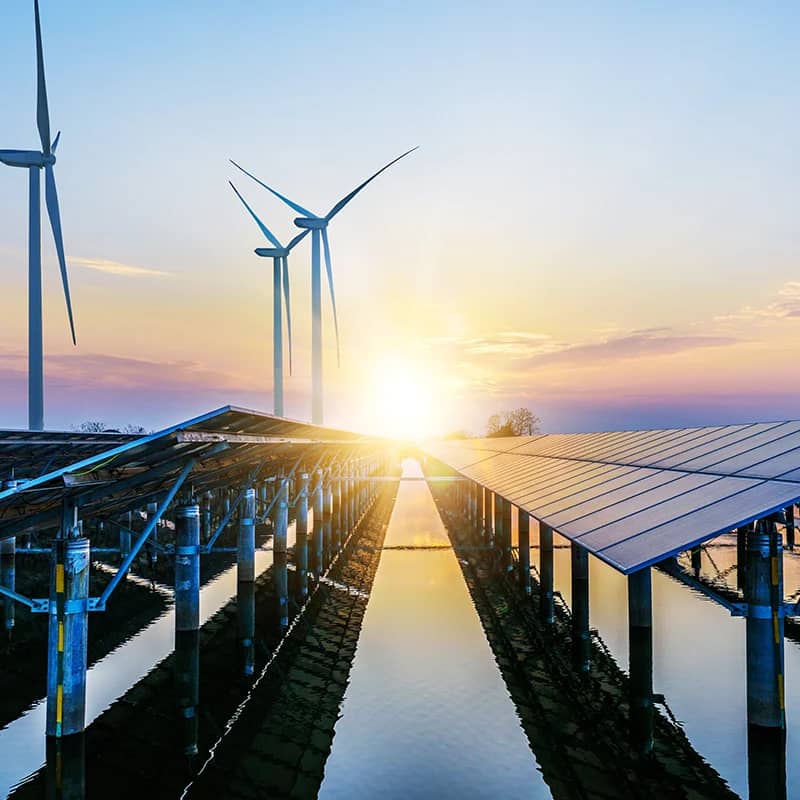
(116, 268)
(785, 306)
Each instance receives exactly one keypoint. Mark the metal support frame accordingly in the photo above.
(581, 641)
(279, 555)
(640, 638)
(246, 555)
(524, 562)
(317, 548)
(187, 567)
(301, 539)
(546, 603)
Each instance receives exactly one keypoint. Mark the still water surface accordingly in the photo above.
(426, 713)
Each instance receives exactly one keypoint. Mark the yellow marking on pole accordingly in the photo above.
(59, 578)
(774, 561)
(780, 691)
(60, 636)
(59, 702)
(775, 631)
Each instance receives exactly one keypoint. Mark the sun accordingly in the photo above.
(405, 402)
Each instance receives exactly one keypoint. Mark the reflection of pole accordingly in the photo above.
(766, 763)
(187, 685)
(640, 632)
(68, 629)
(279, 555)
(581, 644)
(524, 527)
(66, 768)
(546, 610)
(246, 611)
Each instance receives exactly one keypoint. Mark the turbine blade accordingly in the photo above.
(345, 200)
(55, 142)
(42, 112)
(329, 269)
(298, 208)
(264, 229)
(51, 200)
(299, 238)
(288, 307)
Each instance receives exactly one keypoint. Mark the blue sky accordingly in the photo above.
(587, 172)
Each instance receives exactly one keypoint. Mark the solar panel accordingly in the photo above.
(633, 498)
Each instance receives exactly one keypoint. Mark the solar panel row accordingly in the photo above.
(633, 498)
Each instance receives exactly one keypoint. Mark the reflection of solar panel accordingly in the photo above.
(634, 498)
(107, 472)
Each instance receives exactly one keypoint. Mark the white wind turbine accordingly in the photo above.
(319, 229)
(34, 161)
(280, 275)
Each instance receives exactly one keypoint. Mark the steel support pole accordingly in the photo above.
(336, 505)
(741, 555)
(187, 567)
(546, 606)
(581, 643)
(344, 504)
(8, 554)
(492, 517)
(67, 636)
(318, 531)
(764, 598)
(697, 560)
(790, 527)
(246, 556)
(351, 493)
(280, 565)
(301, 539)
(524, 560)
(507, 557)
(327, 517)
(484, 521)
(640, 637)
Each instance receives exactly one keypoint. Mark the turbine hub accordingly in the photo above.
(48, 159)
(311, 222)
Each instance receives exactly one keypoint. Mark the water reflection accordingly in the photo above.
(427, 713)
(22, 742)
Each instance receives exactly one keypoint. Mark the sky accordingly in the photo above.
(600, 222)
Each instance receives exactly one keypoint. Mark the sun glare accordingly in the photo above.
(405, 403)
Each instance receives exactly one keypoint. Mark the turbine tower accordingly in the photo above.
(280, 275)
(319, 230)
(34, 161)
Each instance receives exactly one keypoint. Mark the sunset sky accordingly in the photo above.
(601, 221)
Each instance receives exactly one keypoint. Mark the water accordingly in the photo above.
(427, 713)
(22, 742)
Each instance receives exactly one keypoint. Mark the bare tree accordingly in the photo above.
(91, 426)
(519, 422)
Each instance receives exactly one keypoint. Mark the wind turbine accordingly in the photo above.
(34, 161)
(280, 274)
(319, 230)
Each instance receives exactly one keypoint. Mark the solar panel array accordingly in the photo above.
(105, 475)
(633, 498)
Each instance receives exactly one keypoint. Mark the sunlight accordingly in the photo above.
(404, 401)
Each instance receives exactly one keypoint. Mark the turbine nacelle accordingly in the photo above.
(311, 223)
(272, 252)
